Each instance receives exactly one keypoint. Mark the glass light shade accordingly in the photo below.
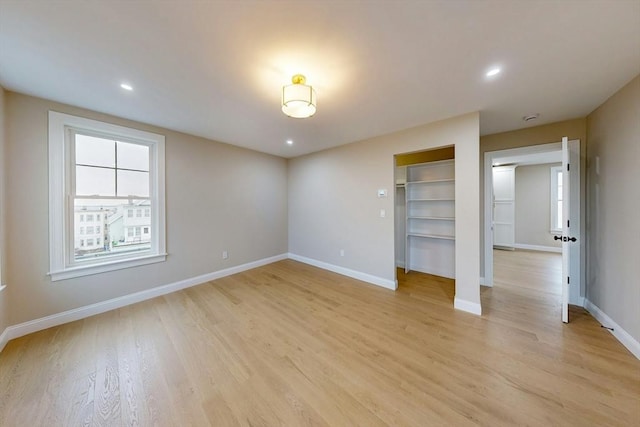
(298, 101)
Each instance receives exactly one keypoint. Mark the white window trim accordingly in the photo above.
(553, 199)
(59, 241)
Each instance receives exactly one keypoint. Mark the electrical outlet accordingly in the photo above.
(225, 254)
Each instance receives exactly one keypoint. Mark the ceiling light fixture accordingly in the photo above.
(289, 142)
(298, 99)
(126, 86)
(492, 72)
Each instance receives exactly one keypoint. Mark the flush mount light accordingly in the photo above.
(494, 71)
(289, 142)
(298, 99)
(126, 86)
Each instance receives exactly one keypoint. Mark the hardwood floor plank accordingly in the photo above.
(289, 344)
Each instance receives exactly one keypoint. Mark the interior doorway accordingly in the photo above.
(523, 223)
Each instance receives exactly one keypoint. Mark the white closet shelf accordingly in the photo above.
(431, 181)
(432, 236)
(435, 218)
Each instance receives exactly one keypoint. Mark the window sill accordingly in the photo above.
(556, 232)
(87, 270)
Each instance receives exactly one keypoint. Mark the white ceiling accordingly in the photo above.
(215, 69)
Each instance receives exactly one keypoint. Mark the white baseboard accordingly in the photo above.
(375, 280)
(579, 301)
(46, 322)
(442, 272)
(538, 248)
(483, 282)
(621, 335)
(468, 306)
(4, 338)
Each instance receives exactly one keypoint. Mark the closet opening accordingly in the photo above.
(425, 218)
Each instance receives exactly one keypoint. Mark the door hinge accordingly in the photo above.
(568, 166)
(568, 280)
(568, 224)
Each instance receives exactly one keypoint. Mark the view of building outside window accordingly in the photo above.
(111, 204)
(112, 230)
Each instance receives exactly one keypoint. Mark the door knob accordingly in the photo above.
(572, 239)
(557, 237)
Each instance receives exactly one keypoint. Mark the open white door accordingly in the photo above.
(570, 224)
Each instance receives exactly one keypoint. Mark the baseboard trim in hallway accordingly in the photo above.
(616, 330)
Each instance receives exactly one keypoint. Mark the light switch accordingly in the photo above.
(382, 192)
(383, 213)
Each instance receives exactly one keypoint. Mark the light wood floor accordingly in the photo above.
(289, 344)
(528, 270)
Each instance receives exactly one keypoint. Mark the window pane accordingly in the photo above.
(132, 183)
(92, 181)
(133, 156)
(559, 224)
(113, 231)
(95, 151)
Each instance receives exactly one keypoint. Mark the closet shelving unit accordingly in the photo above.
(430, 218)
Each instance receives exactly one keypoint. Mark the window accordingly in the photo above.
(99, 166)
(138, 213)
(130, 232)
(81, 230)
(556, 200)
(147, 213)
(81, 218)
(137, 231)
(146, 230)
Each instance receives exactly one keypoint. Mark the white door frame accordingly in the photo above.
(489, 157)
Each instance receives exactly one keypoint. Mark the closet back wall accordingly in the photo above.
(218, 197)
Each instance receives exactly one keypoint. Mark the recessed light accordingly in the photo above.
(494, 71)
(530, 117)
(289, 142)
(126, 86)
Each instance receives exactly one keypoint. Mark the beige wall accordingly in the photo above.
(218, 197)
(4, 304)
(333, 201)
(613, 156)
(533, 214)
(544, 134)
